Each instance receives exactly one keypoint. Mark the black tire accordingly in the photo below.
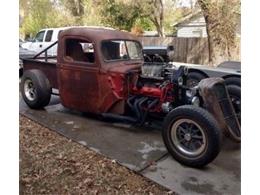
(209, 129)
(40, 88)
(233, 81)
(194, 78)
(235, 95)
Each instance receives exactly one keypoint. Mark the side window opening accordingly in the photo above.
(48, 35)
(39, 36)
(79, 50)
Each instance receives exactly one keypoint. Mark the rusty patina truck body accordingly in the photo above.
(100, 70)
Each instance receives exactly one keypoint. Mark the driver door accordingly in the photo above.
(78, 75)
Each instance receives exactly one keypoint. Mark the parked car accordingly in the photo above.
(235, 65)
(24, 54)
(101, 71)
(43, 39)
(21, 41)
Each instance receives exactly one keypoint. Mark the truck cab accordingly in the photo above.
(92, 69)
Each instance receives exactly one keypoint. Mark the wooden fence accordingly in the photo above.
(187, 50)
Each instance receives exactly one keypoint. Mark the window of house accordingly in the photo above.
(197, 33)
(79, 50)
(48, 36)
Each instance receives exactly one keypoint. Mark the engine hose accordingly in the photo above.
(154, 102)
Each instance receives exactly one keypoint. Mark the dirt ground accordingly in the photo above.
(53, 164)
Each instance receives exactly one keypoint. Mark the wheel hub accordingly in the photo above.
(187, 137)
(29, 90)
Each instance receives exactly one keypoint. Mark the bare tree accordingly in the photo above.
(154, 11)
(157, 16)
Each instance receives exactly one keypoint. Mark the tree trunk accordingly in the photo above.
(220, 28)
(157, 16)
(205, 10)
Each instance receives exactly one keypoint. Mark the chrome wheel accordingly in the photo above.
(188, 137)
(29, 90)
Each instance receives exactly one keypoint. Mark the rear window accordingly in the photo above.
(48, 36)
(79, 50)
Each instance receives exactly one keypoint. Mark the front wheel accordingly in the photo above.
(192, 136)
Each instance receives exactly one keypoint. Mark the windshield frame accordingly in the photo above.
(119, 60)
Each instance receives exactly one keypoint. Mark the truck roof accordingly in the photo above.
(60, 28)
(98, 33)
(67, 27)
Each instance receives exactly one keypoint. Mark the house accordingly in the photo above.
(193, 25)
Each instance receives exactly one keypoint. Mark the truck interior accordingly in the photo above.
(79, 50)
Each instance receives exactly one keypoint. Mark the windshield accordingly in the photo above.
(121, 50)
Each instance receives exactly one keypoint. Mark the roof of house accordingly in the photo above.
(188, 18)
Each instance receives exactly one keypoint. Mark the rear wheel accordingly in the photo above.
(192, 136)
(35, 89)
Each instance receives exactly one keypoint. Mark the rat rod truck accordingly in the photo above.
(100, 71)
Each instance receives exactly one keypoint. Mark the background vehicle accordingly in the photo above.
(101, 71)
(24, 54)
(43, 39)
(235, 65)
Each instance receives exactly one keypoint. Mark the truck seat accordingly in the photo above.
(75, 51)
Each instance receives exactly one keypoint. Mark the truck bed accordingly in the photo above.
(48, 67)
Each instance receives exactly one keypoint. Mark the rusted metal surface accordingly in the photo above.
(98, 87)
(213, 99)
(48, 68)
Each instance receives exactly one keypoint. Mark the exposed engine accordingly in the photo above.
(158, 90)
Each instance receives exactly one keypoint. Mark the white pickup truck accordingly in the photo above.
(43, 39)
